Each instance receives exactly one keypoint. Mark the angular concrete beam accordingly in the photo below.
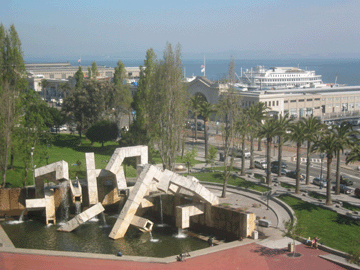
(164, 180)
(91, 178)
(47, 203)
(142, 224)
(147, 202)
(54, 172)
(124, 152)
(82, 217)
(35, 204)
(132, 204)
(184, 212)
(76, 191)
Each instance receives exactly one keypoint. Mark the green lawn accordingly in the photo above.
(217, 177)
(67, 147)
(285, 185)
(336, 231)
(317, 196)
(222, 168)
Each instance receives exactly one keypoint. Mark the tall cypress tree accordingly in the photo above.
(12, 84)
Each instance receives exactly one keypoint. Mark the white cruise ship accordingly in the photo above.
(260, 78)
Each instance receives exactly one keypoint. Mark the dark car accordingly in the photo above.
(276, 163)
(292, 174)
(357, 192)
(343, 189)
(274, 169)
(345, 181)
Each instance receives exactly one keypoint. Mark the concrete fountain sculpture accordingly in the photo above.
(151, 182)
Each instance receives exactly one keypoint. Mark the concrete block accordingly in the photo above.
(92, 187)
(147, 202)
(82, 217)
(184, 212)
(90, 161)
(173, 188)
(119, 229)
(164, 180)
(121, 180)
(50, 212)
(142, 224)
(35, 204)
(76, 191)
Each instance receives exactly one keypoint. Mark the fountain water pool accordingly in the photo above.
(92, 237)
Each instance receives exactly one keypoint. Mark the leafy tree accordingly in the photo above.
(94, 71)
(30, 132)
(142, 96)
(103, 131)
(206, 110)
(212, 156)
(167, 105)
(297, 134)
(79, 77)
(12, 85)
(229, 109)
(120, 73)
(195, 103)
(189, 158)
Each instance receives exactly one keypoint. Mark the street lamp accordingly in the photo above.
(32, 164)
(322, 155)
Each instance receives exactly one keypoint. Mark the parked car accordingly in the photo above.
(239, 153)
(276, 163)
(292, 174)
(318, 180)
(345, 181)
(63, 128)
(275, 169)
(357, 192)
(343, 189)
(260, 164)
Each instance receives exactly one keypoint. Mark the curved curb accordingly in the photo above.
(279, 202)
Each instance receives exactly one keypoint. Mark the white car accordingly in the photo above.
(260, 164)
(63, 128)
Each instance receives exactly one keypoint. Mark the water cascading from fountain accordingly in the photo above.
(180, 234)
(64, 201)
(161, 213)
(152, 239)
(21, 218)
(77, 208)
(103, 220)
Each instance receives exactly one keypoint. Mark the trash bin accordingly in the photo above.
(291, 247)
(255, 235)
(222, 157)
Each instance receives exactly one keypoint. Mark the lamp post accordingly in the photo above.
(322, 155)
(32, 164)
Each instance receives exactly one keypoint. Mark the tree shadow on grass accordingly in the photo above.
(299, 205)
(347, 221)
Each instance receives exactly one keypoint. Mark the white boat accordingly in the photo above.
(260, 78)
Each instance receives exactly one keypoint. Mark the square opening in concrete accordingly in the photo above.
(148, 225)
(51, 221)
(124, 192)
(77, 199)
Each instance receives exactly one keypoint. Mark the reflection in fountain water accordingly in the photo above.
(161, 211)
(104, 224)
(180, 234)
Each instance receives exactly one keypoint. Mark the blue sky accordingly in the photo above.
(119, 28)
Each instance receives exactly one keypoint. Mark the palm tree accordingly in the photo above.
(64, 88)
(260, 116)
(44, 84)
(313, 128)
(269, 131)
(243, 126)
(256, 114)
(206, 110)
(282, 124)
(195, 102)
(297, 135)
(342, 133)
(329, 145)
